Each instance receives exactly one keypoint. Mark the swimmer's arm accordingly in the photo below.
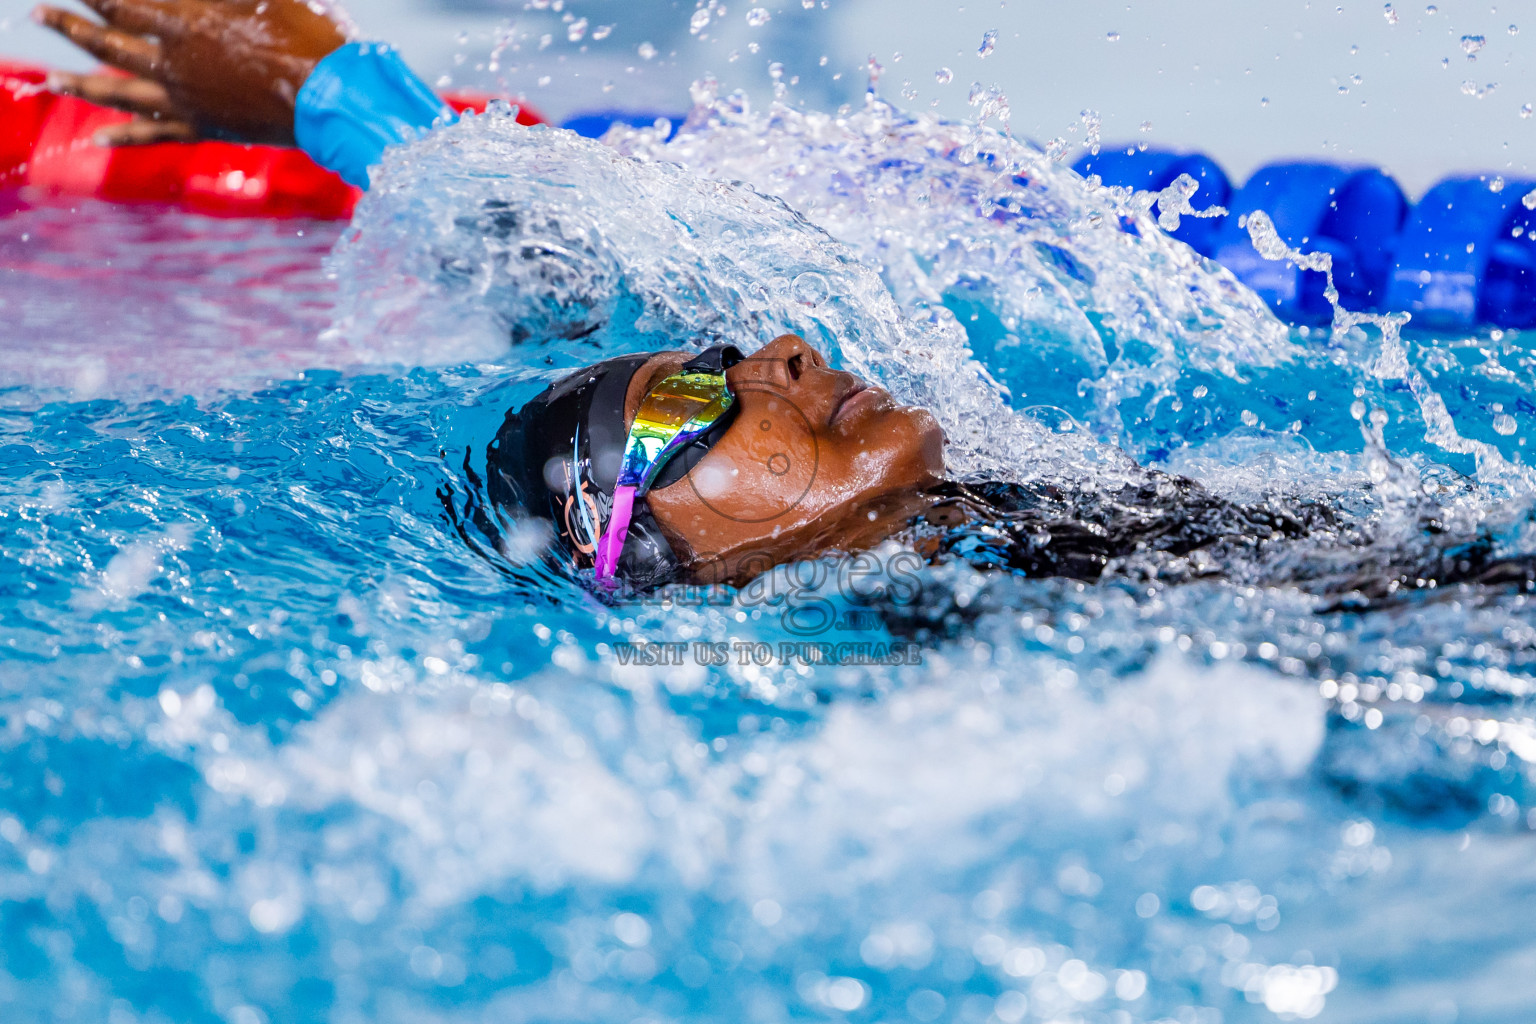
(276, 71)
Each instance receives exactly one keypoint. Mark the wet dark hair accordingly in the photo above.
(1169, 530)
(558, 457)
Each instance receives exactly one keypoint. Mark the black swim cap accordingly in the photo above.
(558, 458)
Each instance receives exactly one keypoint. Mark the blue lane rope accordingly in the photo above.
(1464, 256)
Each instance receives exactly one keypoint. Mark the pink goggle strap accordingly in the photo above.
(611, 545)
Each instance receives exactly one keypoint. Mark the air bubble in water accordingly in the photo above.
(988, 43)
(646, 51)
(1514, 30)
(757, 17)
(1504, 424)
(1529, 200)
(1471, 44)
(699, 20)
(943, 76)
(576, 31)
(1526, 110)
(1145, 126)
(1113, 37)
(602, 31)
(1263, 101)
(1431, 10)
(1497, 184)
(1390, 15)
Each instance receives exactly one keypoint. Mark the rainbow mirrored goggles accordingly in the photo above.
(673, 415)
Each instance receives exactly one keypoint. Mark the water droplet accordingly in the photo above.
(1113, 37)
(1356, 79)
(1471, 44)
(1526, 110)
(1431, 10)
(811, 289)
(1514, 30)
(602, 31)
(943, 76)
(646, 51)
(704, 91)
(699, 21)
(757, 17)
(988, 43)
(576, 31)
(1390, 15)
(1263, 101)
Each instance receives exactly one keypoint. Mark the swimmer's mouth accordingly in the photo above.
(849, 400)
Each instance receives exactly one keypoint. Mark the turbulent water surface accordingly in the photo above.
(277, 745)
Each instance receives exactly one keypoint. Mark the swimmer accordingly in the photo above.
(715, 467)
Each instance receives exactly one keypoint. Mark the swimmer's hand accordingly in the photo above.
(198, 68)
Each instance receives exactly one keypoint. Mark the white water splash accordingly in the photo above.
(1392, 361)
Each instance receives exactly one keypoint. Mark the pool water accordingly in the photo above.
(277, 744)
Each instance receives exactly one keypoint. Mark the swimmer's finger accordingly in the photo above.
(142, 131)
(142, 17)
(135, 95)
(134, 55)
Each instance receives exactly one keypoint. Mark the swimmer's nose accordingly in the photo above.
(780, 363)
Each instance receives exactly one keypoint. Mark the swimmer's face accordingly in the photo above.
(816, 460)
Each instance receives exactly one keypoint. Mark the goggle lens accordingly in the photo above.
(675, 413)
